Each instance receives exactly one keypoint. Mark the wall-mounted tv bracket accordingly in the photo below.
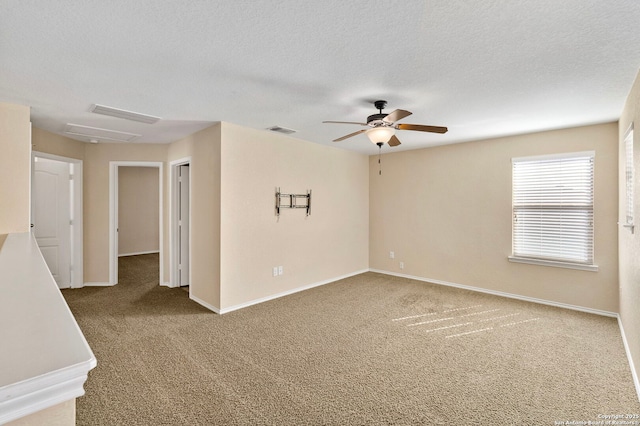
(290, 201)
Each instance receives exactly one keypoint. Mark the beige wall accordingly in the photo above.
(96, 199)
(15, 168)
(96, 158)
(415, 209)
(446, 213)
(138, 213)
(204, 146)
(629, 244)
(331, 242)
(51, 143)
(204, 149)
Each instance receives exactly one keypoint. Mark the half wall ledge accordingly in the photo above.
(45, 357)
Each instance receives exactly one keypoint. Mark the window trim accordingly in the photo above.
(593, 267)
(557, 264)
(629, 177)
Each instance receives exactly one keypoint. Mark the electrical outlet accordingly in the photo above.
(392, 255)
(401, 265)
(280, 270)
(275, 271)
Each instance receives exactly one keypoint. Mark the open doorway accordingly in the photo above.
(138, 239)
(56, 216)
(180, 223)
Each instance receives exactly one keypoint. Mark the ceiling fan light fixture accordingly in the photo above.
(380, 134)
(382, 127)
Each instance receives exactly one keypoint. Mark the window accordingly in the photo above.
(553, 210)
(628, 153)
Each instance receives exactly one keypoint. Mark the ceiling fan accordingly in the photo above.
(383, 126)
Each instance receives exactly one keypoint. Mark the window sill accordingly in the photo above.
(592, 268)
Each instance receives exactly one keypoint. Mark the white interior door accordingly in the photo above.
(51, 195)
(183, 225)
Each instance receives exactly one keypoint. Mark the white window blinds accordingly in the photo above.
(628, 150)
(553, 208)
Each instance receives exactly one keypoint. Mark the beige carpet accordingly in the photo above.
(367, 350)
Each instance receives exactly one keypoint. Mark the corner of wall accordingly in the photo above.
(629, 243)
(204, 149)
(15, 168)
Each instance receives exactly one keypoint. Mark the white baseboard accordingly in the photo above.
(167, 284)
(634, 373)
(97, 284)
(205, 304)
(503, 294)
(288, 292)
(139, 252)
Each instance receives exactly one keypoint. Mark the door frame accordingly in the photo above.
(77, 249)
(174, 242)
(113, 214)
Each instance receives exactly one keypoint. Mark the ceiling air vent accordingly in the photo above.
(99, 134)
(281, 129)
(121, 113)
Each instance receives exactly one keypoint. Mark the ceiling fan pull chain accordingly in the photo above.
(379, 163)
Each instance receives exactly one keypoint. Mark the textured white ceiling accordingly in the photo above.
(483, 68)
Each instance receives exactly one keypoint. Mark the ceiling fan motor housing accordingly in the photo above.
(376, 119)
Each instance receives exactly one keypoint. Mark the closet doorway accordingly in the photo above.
(180, 223)
(128, 224)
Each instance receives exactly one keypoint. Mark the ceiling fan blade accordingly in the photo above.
(349, 135)
(422, 128)
(346, 122)
(394, 141)
(396, 115)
